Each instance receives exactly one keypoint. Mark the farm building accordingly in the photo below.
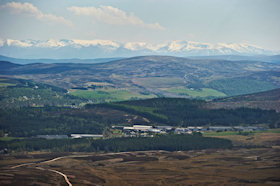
(86, 136)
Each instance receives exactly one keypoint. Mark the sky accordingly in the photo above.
(151, 21)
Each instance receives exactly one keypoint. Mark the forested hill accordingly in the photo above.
(186, 112)
(15, 93)
(269, 100)
(271, 95)
(95, 118)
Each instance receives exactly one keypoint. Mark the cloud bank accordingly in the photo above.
(30, 10)
(114, 16)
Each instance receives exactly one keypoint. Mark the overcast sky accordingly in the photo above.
(152, 21)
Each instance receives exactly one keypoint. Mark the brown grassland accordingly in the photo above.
(257, 164)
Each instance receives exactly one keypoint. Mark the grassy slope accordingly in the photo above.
(202, 93)
(237, 86)
(109, 95)
(266, 138)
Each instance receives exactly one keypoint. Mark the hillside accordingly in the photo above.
(154, 76)
(96, 118)
(16, 93)
(269, 100)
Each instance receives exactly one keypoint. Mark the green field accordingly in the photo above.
(225, 133)
(109, 95)
(202, 93)
(230, 133)
(9, 138)
(2, 84)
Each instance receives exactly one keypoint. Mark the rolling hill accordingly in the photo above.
(269, 100)
(15, 93)
(153, 76)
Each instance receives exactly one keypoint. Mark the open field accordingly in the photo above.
(2, 84)
(9, 138)
(204, 167)
(267, 138)
(108, 95)
(202, 93)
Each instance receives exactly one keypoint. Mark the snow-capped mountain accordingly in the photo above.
(105, 48)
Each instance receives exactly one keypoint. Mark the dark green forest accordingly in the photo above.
(28, 122)
(93, 119)
(169, 143)
(187, 112)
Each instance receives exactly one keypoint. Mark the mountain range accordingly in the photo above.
(61, 49)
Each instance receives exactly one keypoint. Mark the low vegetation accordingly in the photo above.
(109, 95)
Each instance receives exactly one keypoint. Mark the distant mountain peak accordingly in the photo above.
(54, 48)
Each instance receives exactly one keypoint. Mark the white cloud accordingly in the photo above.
(114, 16)
(30, 10)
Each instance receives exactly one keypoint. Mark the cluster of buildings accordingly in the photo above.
(143, 130)
(73, 136)
(148, 131)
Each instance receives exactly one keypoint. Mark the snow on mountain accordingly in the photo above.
(105, 48)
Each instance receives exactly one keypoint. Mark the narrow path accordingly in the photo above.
(64, 175)
(21, 165)
(57, 172)
(58, 158)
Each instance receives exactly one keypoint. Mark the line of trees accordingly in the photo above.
(168, 142)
